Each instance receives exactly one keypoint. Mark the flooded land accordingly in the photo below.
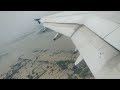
(37, 56)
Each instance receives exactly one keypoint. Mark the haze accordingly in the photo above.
(13, 24)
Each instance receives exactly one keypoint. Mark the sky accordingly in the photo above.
(13, 24)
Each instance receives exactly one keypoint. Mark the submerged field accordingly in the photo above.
(37, 56)
(47, 64)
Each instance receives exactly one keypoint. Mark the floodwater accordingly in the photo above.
(34, 40)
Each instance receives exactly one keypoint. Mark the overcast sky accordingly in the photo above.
(15, 23)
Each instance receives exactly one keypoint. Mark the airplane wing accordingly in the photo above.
(96, 35)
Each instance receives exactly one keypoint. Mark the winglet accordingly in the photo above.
(38, 20)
